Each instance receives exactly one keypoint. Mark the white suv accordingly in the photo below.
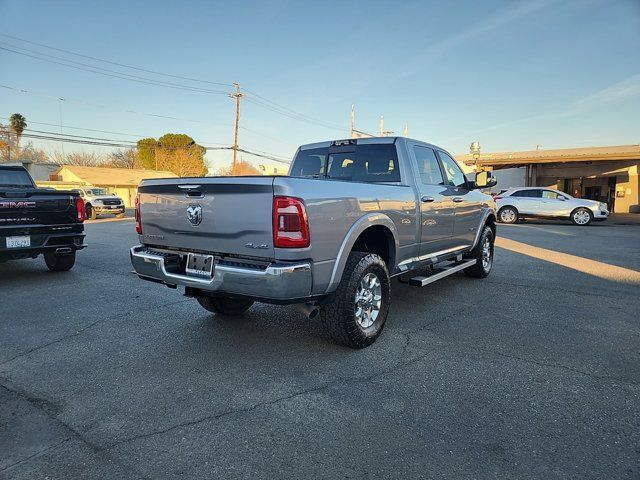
(523, 202)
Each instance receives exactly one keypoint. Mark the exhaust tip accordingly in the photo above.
(309, 310)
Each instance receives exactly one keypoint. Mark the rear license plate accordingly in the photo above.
(18, 242)
(199, 265)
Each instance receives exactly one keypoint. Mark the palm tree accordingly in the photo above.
(18, 124)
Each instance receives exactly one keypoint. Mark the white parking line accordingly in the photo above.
(107, 220)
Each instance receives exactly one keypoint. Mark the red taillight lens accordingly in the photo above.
(137, 215)
(290, 225)
(80, 208)
(497, 197)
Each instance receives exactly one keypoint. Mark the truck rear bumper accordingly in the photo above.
(276, 281)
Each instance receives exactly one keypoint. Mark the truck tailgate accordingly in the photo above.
(32, 207)
(224, 215)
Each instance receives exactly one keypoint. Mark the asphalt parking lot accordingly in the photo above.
(531, 373)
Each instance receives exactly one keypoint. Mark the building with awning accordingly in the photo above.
(122, 182)
(607, 174)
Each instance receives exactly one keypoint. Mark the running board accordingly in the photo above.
(441, 273)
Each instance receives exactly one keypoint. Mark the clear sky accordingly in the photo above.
(510, 74)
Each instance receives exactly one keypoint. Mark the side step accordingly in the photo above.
(441, 273)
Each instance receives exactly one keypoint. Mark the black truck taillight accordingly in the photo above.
(137, 215)
(290, 224)
(81, 209)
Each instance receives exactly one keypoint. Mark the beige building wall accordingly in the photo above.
(594, 174)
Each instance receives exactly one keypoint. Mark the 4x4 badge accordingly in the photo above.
(194, 214)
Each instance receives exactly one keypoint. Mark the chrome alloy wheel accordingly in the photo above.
(368, 300)
(508, 215)
(581, 217)
(487, 255)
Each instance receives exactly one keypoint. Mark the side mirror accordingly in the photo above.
(485, 180)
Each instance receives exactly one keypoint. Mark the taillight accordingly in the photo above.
(497, 197)
(290, 224)
(137, 215)
(80, 208)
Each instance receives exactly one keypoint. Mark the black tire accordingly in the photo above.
(581, 216)
(338, 311)
(224, 305)
(91, 213)
(58, 262)
(482, 268)
(508, 214)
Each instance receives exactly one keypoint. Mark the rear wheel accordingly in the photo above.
(581, 216)
(483, 255)
(224, 305)
(354, 315)
(508, 215)
(58, 262)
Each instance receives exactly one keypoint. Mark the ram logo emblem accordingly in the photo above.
(194, 214)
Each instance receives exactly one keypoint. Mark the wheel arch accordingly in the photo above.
(374, 233)
(489, 219)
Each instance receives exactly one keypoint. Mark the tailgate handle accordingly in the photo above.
(192, 190)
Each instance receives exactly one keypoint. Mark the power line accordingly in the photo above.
(109, 73)
(131, 111)
(285, 110)
(258, 100)
(107, 142)
(115, 63)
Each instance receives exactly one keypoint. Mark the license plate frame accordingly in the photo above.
(22, 241)
(200, 265)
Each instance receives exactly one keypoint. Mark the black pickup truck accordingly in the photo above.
(37, 220)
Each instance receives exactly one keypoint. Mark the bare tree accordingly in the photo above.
(81, 159)
(8, 143)
(242, 168)
(124, 159)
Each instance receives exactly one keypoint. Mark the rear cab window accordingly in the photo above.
(369, 163)
(15, 178)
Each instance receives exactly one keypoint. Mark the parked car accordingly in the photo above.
(523, 202)
(98, 202)
(350, 215)
(36, 221)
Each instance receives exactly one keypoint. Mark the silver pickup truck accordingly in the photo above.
(350, 215)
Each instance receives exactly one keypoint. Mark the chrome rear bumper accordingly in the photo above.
(275, 281)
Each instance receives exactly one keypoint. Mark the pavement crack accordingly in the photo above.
(84, 329)
(562, 367)
(38, 403)
(37, 454)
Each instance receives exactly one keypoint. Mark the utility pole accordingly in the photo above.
(382, 125)
(405, 132)
(353, 119)
(237, 95)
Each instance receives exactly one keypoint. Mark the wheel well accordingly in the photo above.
(507, 206)
(581, 208)
(491, 223)
(379, 240)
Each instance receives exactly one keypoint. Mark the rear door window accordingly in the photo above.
(527, 193)
(428, 167)
(372, 163)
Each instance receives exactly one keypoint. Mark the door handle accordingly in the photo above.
(427, 199)
(458, 199)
